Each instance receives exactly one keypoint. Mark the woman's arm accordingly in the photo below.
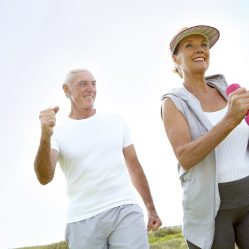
(188, 152)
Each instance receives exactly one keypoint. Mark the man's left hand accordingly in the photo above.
(154, 221)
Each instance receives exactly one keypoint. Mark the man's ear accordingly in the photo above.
(66, 90)
(174, 58)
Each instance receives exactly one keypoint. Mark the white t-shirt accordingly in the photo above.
(232, 156)
(91, 157)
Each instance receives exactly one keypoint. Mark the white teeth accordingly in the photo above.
(199, 59)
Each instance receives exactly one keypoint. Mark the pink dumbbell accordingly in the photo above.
(232, 88)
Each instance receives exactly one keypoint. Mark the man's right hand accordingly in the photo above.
(48, 119)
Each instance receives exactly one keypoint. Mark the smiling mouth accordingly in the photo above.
(199, 59)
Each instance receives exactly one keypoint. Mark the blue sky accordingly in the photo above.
(125, 45)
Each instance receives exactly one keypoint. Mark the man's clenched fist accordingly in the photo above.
(48, 119)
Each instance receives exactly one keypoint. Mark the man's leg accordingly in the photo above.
(86, 234)
(129, 229)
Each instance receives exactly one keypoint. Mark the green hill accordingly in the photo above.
(59, 245)
(167, 238)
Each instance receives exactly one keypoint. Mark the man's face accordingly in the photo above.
(82, 90)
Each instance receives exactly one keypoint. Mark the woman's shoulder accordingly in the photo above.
(180, 93)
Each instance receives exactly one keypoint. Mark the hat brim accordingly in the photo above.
(210, 33)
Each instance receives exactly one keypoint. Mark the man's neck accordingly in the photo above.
(82, 114)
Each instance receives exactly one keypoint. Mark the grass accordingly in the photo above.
(59, 245)
(167, 238)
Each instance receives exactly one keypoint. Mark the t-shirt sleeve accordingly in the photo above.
(54, 143)
(127, 140)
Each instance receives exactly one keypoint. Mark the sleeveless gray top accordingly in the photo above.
(200, 197)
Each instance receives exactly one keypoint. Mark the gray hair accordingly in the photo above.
(70, 75)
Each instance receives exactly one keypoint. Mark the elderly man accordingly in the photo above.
(96, 154)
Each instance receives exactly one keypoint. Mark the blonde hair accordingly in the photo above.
(178, 71)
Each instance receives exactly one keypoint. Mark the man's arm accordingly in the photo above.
(140, 182)
(46, 158)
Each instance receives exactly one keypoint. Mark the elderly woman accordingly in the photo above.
(210, 140)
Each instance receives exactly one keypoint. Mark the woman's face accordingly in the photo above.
(192, 55)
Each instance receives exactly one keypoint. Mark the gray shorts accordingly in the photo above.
(121, 227)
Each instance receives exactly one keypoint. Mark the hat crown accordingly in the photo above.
(211, 34)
